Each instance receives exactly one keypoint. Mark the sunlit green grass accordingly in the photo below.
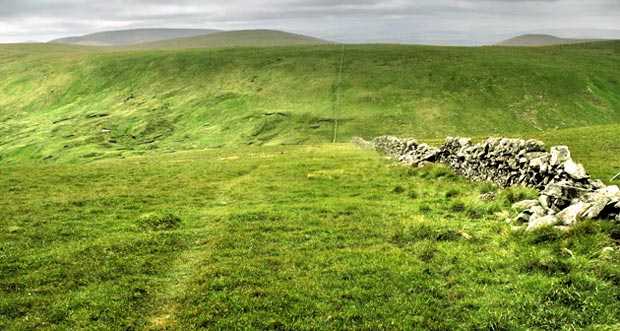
(326, 237)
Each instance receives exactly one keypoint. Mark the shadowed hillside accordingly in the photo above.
(232, 38)
(128, 37)
(83, 104)
(541, 40)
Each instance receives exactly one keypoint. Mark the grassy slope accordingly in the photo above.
(54, 104)
(289, 238)
(232, 38)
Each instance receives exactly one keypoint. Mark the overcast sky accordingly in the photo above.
(430, 21)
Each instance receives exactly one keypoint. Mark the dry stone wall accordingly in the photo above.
(568, 194)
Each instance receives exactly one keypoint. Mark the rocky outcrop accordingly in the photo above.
(568, 194)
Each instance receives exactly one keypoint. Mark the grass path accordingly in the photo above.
(173, 286)
(190, 260)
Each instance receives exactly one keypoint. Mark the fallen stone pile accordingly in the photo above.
(568, 194)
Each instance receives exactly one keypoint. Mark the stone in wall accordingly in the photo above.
(407, 151)
(363, 143)
(602, 203)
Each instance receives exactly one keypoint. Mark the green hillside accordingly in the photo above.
(59, 102)
(251, 38)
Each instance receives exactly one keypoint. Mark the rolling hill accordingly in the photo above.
(232, 38)
(76, 103)
(542, 40)
(129, 37)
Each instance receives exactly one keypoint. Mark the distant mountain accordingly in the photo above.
(542, 40)
(233, 38)
(130, 37)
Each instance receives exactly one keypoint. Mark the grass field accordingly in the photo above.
(198, 190)
(288, 238)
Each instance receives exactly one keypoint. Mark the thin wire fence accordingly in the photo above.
(337, 109)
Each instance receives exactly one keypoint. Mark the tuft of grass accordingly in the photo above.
(517, 193)
(457, 206)
(159, 221)
(398, 189)
(488, 188)
(452, 193)
(421, 231)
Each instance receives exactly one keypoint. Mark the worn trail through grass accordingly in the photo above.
(176, 279)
